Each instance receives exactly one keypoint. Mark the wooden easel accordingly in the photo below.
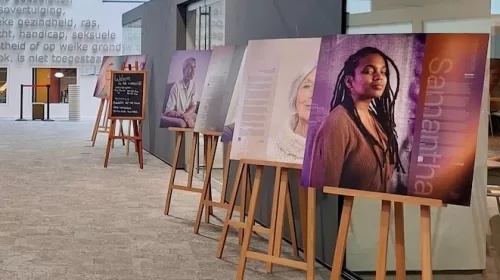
(102, 124)
(206, 199)
(281, 203)
(102, 120)
(387, 200)
(135, 121)
(211, 139)
(180, 133)
(130, 68)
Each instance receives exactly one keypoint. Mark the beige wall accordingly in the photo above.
(439, 10)
(378, 5)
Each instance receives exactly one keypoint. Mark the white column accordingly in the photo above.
(74, 102)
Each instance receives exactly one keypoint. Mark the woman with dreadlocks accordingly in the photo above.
(356, 145)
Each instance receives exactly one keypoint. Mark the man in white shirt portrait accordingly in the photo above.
(181, 105)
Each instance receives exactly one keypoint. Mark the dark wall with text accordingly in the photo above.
(164, 30)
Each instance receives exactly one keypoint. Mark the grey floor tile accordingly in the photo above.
(64, 216)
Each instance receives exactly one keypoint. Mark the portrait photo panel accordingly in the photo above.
(221, 76)
(236, 102)
(277, 86)
(115, 63)
(372, 110)
(185, 82)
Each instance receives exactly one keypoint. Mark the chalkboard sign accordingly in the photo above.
(128, 95)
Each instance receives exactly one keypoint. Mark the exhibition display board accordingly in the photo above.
(109, 64)
(270, 131)
(395, 118)
(386, 117)
(127, 101)
(212, 112)
(185, 82)
(392, 118)
(115, 63)
(419, 124)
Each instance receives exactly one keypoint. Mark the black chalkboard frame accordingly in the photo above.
(144, 93)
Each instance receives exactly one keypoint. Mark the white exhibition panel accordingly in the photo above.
(458, 233)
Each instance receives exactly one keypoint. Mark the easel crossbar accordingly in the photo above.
(187, 189)
(258, 229)
(126, 137)
(281, 203)
(277, 260)
(385, 221)
(384, 196)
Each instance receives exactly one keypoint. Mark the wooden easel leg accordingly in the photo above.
(245, 194)
(140, 146)
(232, 202)
(227, 163)
(338, 257)
(127, 146)
(178, 142)
(97, 121)
(243, 209)
(280, 212)
(121, 132)
(209, 142)
(383, 240)
(311, 233)
(303, 206)
(110, 140)
(425, 239)
(138, 142)
(206, 185)
(105, 120)
(291, 222)
(249, 223)
(274, 212)
(399, 232)
(194, 145)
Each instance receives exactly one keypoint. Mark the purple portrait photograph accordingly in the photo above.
(363, 112)
(185, 82)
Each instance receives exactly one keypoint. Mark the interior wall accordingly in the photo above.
(163, 27)
(458, 233)
(106, 15)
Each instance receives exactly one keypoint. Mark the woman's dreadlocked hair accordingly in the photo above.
(382, 107)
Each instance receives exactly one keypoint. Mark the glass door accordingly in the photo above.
(205, 28)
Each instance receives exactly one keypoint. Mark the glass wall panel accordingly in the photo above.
(205, 29)
(359, 6)
(131, 38)
(206, 24)
(495, 7)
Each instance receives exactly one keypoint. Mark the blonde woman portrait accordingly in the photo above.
(289, 144)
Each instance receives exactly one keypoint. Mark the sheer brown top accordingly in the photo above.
(343, 157)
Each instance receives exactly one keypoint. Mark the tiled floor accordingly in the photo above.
(64, 216)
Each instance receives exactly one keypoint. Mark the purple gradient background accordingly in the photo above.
(406, 50)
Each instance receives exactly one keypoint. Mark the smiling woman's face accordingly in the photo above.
(304, 96)
(108, 72)
(370, 78)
